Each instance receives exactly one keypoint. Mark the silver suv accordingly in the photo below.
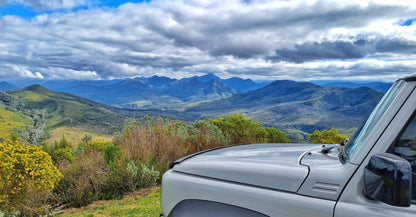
(372, 175)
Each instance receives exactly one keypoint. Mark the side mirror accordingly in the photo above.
(388, 178)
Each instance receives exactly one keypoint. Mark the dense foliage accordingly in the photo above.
(24, 170)
(241, 129)
(96, 170)
(331, 136)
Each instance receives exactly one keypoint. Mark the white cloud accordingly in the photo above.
(42, 5)
(25, 73)
(300, 40)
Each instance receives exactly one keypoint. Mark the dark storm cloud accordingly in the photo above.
(250, 32)
(345, 50)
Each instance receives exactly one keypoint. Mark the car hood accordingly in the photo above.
(274, 166)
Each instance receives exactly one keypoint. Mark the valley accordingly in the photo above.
(102, 106)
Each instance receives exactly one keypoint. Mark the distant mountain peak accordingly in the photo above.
(4, 86)
(37, 88)
(208, 77)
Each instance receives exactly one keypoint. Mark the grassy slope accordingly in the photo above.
(68, 110)
(11, 120)
(74, 135)
(143, 203)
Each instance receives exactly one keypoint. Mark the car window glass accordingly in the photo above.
(358, 140)
(405, 147)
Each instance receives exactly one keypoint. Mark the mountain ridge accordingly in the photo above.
(302, 106)
(4, 86)
(151, 92)
(295, 107)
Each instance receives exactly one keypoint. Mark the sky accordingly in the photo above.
(256, 39)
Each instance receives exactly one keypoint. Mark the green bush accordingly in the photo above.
(96, 170)
(243, 130)
(63, 154)
(148, 176)
(273, 135)
(331, 136)
(111, 152)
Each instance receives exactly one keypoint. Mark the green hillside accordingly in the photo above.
(62, 109)
(9, 121)
(34, 111)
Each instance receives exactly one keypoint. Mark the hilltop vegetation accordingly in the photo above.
(99, 170)
(35, 111)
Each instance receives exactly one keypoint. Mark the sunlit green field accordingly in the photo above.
(143, 203)
(11, 120)
(74, 135)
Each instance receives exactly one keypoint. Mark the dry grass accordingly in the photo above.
(74, 135)
(144, 144)
(84, 180)
(164, 141)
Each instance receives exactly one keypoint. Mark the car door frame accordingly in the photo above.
(353, 201)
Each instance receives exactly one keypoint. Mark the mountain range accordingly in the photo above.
(298, 108)
(153, 92)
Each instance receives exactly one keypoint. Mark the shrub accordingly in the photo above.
(158, 142)
(239, 128)
(148, 176)
(208, 135)
(140, 176)
(243, 130)
(111, 152)
(84, 179)
(151, 141)
(63, 154)
(273, 135)
(24, 169)
(95, 145)
(331, 136)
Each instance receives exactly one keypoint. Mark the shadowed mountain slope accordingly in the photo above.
(298, 105)
(7, 86)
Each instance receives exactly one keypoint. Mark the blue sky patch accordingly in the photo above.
(18, 10)
(116, 3)
(407, 22)
(27, 11)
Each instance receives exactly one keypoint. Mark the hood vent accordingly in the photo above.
(328, 188)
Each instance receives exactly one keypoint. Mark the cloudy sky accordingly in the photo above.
(257, 39)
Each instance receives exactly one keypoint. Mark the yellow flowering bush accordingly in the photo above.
(24, 168)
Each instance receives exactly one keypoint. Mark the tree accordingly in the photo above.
(331, 136)
(242, 129)
(24, 169)
(273, 135)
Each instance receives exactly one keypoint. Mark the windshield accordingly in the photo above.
(372, 120)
